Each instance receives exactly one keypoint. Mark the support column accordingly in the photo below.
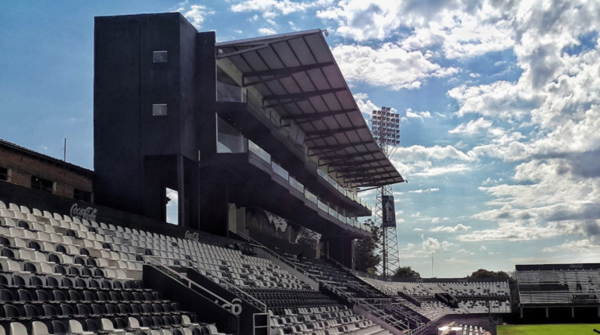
(572, 312)
(547, 313)
(521, 308)
(181, 192)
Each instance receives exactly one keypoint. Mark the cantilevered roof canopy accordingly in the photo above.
(297, 76)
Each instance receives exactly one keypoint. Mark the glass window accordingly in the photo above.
(229, 139)
(227, 89)
(159, 56)
(159, 110)
(82, 195)
(42, 184)
(3, 174)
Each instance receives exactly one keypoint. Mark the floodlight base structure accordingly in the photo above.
(388, 251)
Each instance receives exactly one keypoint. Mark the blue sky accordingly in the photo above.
(499, 104)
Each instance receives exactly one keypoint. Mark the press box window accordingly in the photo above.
(3, 174)
(159, 56)
(82, 195)
(159, 110)
(42, 184)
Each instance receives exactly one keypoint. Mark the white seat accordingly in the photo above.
(107, 325)
(17, 328)
(75, 327)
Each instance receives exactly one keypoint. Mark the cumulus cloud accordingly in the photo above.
(267, 31)
(195, 13)
(472, 127)
(387, 66)
(449, 229)
(273, 8)
(417, 115)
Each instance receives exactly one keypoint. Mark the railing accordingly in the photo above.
(233, 306)
(280, 171)
(295, 184)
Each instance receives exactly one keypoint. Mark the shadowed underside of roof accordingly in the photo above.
(298, 77)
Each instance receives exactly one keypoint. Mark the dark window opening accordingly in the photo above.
(42, 184)
(82, 195)
(3, 174)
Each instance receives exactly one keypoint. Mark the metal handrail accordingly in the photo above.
(186, 279)
(261, 305)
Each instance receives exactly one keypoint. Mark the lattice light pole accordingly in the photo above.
(385, 126)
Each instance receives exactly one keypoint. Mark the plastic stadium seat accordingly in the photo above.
(39, 328)
(17, 328)
(75, 327)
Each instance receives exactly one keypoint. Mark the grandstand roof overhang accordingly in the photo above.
(298, 76)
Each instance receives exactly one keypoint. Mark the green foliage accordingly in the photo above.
(364, 251)
(483, 273)
(406, 272)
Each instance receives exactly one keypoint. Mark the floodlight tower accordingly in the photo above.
(385, 126)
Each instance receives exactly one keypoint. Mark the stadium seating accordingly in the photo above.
(59, 275)
(472, 297)
(88, 273)
(558, 286)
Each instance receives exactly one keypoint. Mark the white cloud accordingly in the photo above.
(472, 127)
(267, 31)
(424, 190)
(448, 229)
(387, 66)
(273, 8)
(196, 14)
(417, 115)
(483, 248)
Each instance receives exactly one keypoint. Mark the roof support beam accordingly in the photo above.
(334, 148)
(301, 96)
(316, 116)
(355, 163)
(366, 180)
(330, 132)
(349, 156)
(279, 73)
(356, 168)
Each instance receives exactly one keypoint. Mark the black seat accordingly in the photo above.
(54, 258)
(23, 224)
(83, 310)
(58, 327)
(89, 296)
(80, 282)
(86, 272)
(92, 326)
(97, 310)
(24, 296)
(74, 296)
(11, 312)
(114, 296)
(4, 241)
(59, 296)
(31, 311)
(92, 262)
(6, 296)
(102, 297)
(111, 309)
(67, 310)
(42, 296)
(34, 245)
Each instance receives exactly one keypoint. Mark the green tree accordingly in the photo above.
(364, 251)
(406, 272)
(483, 273)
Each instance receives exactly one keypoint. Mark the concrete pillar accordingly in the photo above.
(521, 309)
(572, 312)
(547, 313)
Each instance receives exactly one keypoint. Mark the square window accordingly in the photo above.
(159, 56)
(82, 195)
(159, 110)
(3, 174)
(42, 184)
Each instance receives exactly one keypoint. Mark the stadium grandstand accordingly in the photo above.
(548, 290)
(267, 151)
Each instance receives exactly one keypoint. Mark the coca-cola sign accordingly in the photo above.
(88, 213)
(194, 236)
